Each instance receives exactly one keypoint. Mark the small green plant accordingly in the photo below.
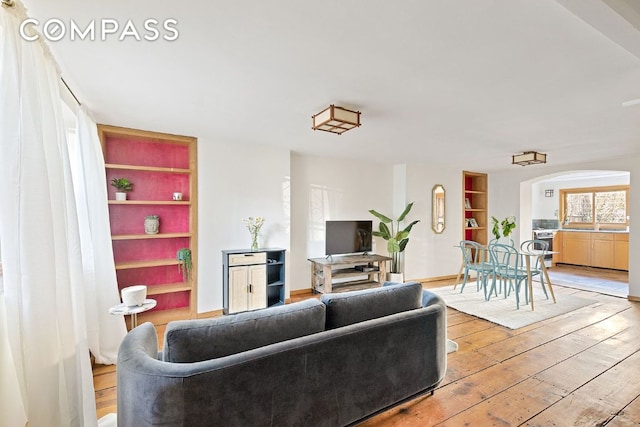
(184, 256)
(507, 225)
(396, 239)
(123, 185)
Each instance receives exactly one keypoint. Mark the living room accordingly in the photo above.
(248, 167)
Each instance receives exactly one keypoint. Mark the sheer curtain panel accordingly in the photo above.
(44, 299)
(105, 331)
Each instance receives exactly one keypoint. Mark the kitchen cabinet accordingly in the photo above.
(601, 250)
(593, 249)
(576, 248)
(557, 245)
(621, 251)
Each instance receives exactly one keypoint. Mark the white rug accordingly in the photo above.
(503, 311)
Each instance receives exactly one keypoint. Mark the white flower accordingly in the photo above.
(253, 224)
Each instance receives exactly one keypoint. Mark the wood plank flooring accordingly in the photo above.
(578, 369)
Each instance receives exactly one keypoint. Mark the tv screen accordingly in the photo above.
(347, 237)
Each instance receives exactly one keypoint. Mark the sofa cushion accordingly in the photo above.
(357, 306)
(203, 339)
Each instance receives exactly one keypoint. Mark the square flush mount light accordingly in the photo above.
(529, 158)
(336, 120)
(548, 193)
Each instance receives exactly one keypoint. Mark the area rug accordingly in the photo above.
(503, 311)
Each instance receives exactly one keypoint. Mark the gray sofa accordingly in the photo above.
(327, 362)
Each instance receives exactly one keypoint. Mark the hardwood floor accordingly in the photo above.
(578, 369)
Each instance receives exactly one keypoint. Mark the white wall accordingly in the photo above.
(235, 182)
(331, 189)
(508, 197)
(429, 254)
(547, 207)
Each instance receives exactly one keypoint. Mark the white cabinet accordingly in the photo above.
(247, 288)
(252, 280)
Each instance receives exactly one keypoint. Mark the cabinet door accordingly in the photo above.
(577, 248)
(557, 247)
(621, 252)
(602, 250)
(238, 289)
(257, 287)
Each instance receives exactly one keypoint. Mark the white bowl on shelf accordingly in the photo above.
(134, 296)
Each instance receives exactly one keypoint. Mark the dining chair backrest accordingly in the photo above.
(505, 255)
(472, 252)
(535, 244)
(503, 241)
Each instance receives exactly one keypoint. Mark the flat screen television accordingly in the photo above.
(347, 237)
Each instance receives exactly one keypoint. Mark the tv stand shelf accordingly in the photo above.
(324, 270)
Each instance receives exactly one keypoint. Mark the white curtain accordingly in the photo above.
(105, 331)
(44, 299)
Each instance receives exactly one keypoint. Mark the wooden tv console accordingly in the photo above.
(327, 269)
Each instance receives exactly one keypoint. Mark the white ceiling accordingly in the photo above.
(467, 82)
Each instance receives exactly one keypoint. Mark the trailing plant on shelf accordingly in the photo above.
(186, 263)
(507, 226)
(397, 239)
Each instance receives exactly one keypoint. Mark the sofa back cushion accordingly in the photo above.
(203, 339)
(357, 306)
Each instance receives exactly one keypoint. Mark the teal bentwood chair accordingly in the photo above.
(474, 260)
(509, 267)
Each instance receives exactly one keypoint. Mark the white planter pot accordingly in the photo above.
(121, 195)
(395, 277)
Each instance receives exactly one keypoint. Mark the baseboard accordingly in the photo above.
(299, 292)
(207, 314)
(434, 279)
(632, 298)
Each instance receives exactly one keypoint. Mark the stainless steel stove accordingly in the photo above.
(547, 236)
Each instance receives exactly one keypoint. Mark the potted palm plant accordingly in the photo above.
(396, 238)
(123, 186)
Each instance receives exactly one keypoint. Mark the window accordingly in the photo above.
(584, 207)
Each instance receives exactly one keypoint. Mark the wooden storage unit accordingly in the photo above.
(475, 188)
(602, 250)
(576, 248)
(621, 251)
(360, 270)
(594, 249)
(557, 243)
(252, 279)
(158, 165)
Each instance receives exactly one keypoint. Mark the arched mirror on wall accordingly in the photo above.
(437, 209)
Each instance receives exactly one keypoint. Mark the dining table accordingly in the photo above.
(528, 255)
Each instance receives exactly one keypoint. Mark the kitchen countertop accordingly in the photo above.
(572, 230)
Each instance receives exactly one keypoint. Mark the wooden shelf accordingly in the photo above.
(149, 236)
(168, 288)
(146, 168)
(474, 192)
(143, 264)
(149, 202)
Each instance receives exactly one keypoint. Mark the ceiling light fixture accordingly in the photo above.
(529, 158)
(336, 120)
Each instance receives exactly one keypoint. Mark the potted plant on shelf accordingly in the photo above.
(123, 186)
(396, 239)
(184, 256)
(507, 226)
